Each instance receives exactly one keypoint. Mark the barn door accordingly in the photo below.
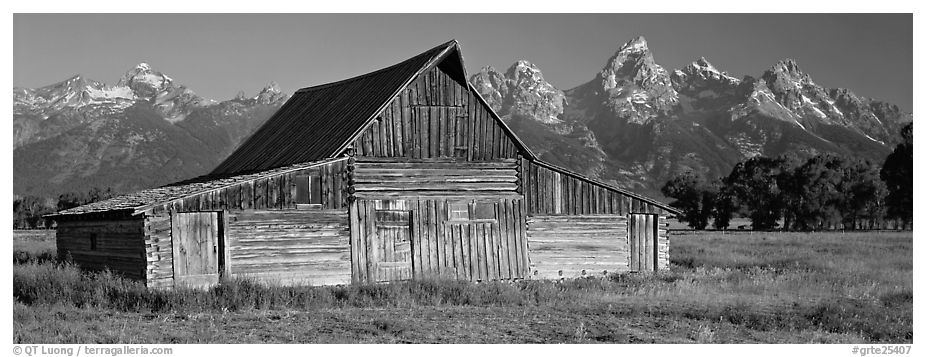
(393, 253)
(476, 250)
(644, 242)
(195, 237)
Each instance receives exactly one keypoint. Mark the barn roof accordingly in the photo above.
(134, 203)
(317, 122)
(624, 192)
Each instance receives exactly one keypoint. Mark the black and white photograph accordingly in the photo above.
(478, 178)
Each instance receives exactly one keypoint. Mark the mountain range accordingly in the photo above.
(634, 124)
(145, 130)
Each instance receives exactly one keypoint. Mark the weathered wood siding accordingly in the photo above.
(550, 192)
(387, 178)
(563, 246)
(158, 251)
(436, 116)
(290, 246)
(476, 249)
(268, 192)
(576, 246)
(120, 245)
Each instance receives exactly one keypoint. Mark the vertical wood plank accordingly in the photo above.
(432, 240)
(496, 252)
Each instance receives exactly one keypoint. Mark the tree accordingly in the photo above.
(897, 173)
(725, 205)
(864, 195)
(73, 199)
(28, 211)
(755, 183)
(790, 188)
(693, 197)
(69, 200)
(819, 188)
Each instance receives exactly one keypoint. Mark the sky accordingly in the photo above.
(218, 55)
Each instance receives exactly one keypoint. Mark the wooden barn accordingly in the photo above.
(402, 173)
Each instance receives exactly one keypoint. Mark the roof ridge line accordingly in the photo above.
(346, 80)
(431, 62)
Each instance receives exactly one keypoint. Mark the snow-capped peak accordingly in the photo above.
(524, 71)
(638, 44)
(787, 65)
(703, 64)
(702, 68)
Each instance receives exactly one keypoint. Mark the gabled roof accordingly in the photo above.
(317, 122)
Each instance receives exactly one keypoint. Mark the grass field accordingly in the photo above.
(722, 288)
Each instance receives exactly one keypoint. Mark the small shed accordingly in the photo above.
(402, 173)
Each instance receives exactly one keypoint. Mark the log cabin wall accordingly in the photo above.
(577, 246)
(116, 244)
(290, 247)
(384, 178)
(158, 251)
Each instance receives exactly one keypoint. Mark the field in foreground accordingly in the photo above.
(723, 288)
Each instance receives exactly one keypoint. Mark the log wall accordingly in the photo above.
(436, 116)
(119, 245)
(158, 251)
(563, 246)
(290, 247)
(577, 246)
(431, 177)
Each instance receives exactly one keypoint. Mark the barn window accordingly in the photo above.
(470, 211)
(93, 240)
(308, 189)
(459, 211)
(484, 211)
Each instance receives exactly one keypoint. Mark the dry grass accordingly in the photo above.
(732, 288)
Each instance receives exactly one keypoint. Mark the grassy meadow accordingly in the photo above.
(734, 287)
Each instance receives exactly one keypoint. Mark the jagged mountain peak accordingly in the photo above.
(145, 80)
(787, 70)
(271, 87)
(634, 55)
(634, 85)
(523, 71)
(523, 63)
(703, 70)
(521, 91)
(270, 93)
(787, 65)
(637, 44)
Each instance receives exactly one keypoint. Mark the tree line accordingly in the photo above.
(28, 211)
(823, 192)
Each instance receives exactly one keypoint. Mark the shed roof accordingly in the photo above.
(134, 203)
